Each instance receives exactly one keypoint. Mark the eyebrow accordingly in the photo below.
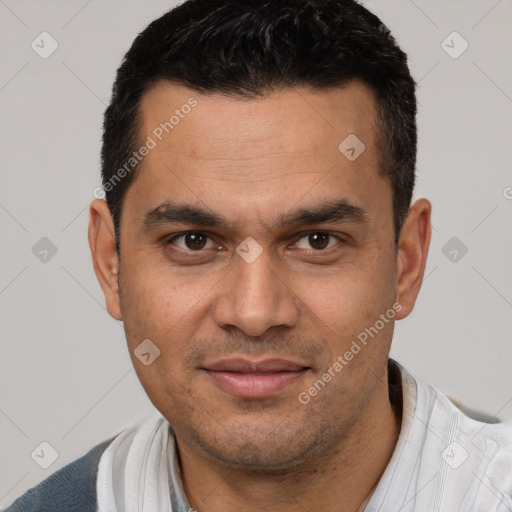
(172, 212)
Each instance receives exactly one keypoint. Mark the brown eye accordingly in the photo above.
(191, 241)
(319, 240)
(195, 241)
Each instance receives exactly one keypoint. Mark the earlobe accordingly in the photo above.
(412, 255)
(104, 255)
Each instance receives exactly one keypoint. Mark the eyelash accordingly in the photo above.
(175, 237)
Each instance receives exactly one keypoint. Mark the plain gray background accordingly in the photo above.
(66, 376)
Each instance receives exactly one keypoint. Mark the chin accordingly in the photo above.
(271, 451)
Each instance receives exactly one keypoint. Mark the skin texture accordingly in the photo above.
(252, 161)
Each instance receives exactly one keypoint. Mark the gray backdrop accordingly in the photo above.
(66, 376)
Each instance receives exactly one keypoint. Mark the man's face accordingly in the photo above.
(242, 334)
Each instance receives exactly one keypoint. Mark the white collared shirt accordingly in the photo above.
(444, 461)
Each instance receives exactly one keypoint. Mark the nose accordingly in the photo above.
(254, 298)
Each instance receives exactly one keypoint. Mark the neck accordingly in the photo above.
(341, 479)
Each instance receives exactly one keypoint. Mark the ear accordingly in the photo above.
(412, 255)
(104, 255)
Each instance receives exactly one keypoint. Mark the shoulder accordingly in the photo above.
(447, 457)
(471, 451)
(72, 487)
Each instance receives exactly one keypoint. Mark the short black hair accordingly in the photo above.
(249, 48)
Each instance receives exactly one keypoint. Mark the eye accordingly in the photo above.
(317, 240)
(191, 241)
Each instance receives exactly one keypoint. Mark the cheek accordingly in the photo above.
(351, 295)
(161, 306)
(155, 308)
(346, 307)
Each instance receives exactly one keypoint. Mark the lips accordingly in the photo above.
(254, 379)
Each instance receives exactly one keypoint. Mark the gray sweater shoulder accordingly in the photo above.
(70, 489)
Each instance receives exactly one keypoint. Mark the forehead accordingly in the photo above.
(299, 120)
(255, 158)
